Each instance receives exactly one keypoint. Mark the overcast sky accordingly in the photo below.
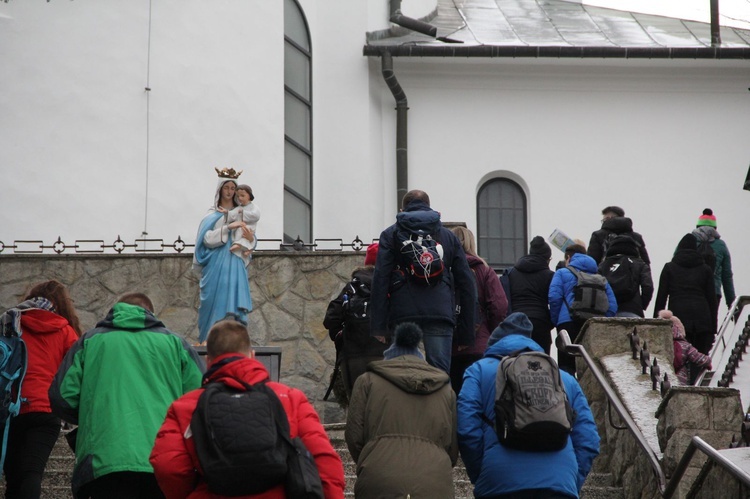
(733, 12)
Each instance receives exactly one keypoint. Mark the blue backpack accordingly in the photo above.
(13, 363)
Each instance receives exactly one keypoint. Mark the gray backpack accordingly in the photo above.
(589, 296)
(532, 411)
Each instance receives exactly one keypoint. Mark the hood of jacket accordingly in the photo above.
(411, 374)
(42, 321)
(705, 233)
(419, 218)
(474, 261)
(623, 245)
(128, 317)
(531, 263)
(618, 225)
(230, 367)
(512, 343)
(579, 261)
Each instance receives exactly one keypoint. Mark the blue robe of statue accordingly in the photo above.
(224, 285)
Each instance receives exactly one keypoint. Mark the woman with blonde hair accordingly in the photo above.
(490, 310)
(49, 326)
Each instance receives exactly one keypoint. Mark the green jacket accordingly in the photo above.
(723, 276)
(116, 383)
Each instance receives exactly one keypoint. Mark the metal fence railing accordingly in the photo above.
(154, 245)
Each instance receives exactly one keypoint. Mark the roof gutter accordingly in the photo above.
(525, 51)
(402, 107)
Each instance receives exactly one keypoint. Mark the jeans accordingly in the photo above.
(438, 341)
(30, 440)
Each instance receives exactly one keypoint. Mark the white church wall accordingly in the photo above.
(662, 139)
(73, 130)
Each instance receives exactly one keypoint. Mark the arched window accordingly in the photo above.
(501, 222)
(297, 125)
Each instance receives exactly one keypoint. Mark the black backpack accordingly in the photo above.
(239, 438)
(589, 296)
(421, 256)
(355, 311)
(618, 271)
(708, 253)
(243, 443)
(532, 411)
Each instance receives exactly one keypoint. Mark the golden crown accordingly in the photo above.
(228, 173)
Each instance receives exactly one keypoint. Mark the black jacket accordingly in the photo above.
(641, 274)
(529, 287)
(615, 225)
(397, 298)
(689, 284)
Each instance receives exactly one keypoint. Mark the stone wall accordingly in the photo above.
(290, 292)
(714, 414)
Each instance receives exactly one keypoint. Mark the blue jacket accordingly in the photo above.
(562, 286)
(395, 298)
(495, 469)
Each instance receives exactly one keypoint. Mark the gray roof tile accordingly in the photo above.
(557, 24)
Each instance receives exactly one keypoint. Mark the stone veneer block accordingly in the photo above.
(290, 292)
(608, 336)
(713, 414)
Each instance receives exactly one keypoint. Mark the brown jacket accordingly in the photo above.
(401, 430)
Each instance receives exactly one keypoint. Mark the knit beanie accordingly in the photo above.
(515, 323)
(688, 241)
(406, 340)
(372, 254)
(678, 328)
(707, 218)
(540, 247)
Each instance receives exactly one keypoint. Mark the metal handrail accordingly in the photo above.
(697, 443)
(721, 341)
(614, 400)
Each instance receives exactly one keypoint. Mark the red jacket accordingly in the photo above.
(48, 337)
(176, 463)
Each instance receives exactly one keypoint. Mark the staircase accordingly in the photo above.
(57, 474)
(56, 482)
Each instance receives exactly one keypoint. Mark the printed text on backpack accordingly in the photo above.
(532, 411)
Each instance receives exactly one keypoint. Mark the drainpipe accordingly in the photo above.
(715, 29)
(402, 106)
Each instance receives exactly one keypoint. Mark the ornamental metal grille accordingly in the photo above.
(152, 245)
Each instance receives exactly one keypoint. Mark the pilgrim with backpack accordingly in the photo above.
(242, 434)
(628, 276)
(576, 294)
(525, 428)
(348, 322)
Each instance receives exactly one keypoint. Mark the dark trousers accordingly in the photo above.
(542, 333)
(566, 361)
(123, 485)
(30, 441)
(459, 363)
